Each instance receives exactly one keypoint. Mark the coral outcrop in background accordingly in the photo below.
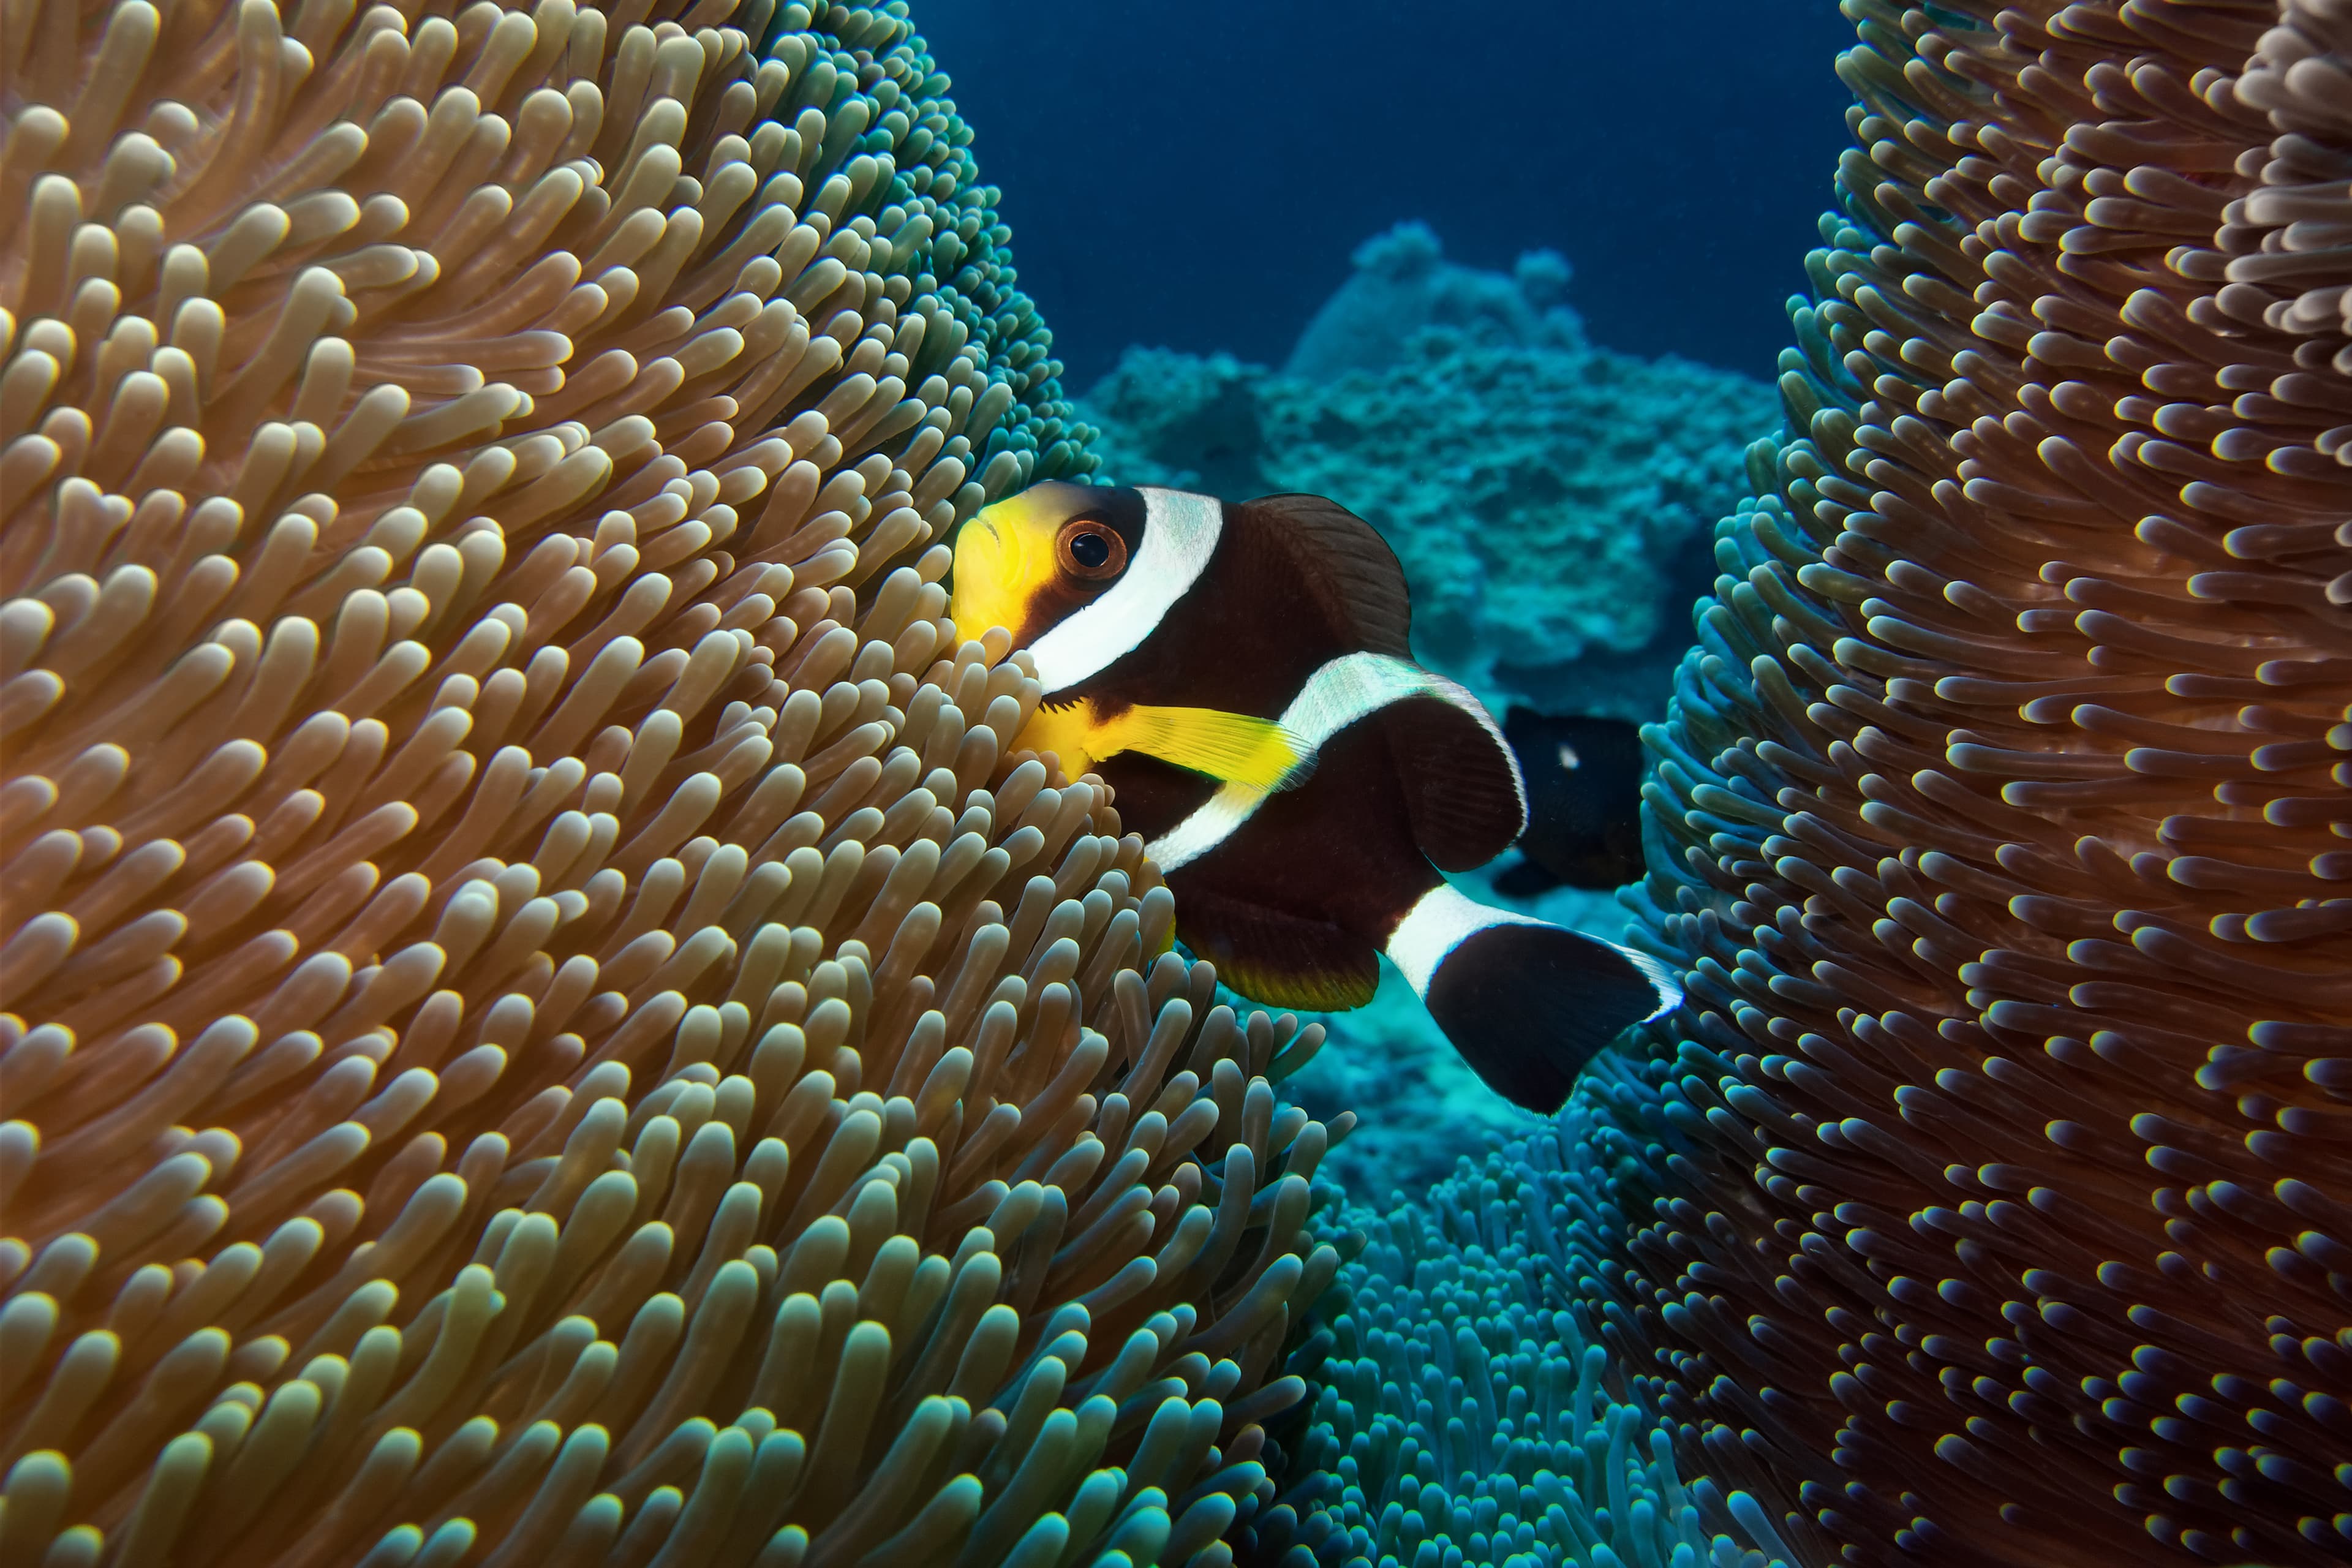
(2007, 790)
(540, 1020)
(1550, 499)
(1402, 284)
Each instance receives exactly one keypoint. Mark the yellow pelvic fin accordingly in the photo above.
(1234, 748)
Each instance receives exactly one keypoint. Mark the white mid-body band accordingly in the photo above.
(1349, 687)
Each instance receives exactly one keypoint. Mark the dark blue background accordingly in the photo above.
(1196, 176)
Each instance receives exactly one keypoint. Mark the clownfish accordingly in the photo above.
(1239, 675)
(1583, 779)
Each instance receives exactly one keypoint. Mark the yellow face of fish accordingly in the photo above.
(1081, 575)
(1031, 559)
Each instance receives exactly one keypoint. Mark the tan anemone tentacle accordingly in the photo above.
(541, 1016)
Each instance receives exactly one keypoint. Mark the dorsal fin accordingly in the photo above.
(1347, 565)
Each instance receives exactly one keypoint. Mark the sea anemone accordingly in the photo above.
(540, 1017)
(2002, 811)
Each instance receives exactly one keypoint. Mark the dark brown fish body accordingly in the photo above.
(1310, 888)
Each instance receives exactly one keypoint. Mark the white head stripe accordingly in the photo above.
(1335, 696)
(1444, 919)
(1180, 534)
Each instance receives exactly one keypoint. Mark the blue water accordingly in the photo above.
(1196, 177)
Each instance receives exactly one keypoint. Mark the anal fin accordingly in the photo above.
(1280, 959)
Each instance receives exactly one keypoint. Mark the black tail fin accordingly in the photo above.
(1526, 1002)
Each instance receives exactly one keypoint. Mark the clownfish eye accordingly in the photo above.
(1089, 549)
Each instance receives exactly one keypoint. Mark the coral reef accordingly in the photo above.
(1403, 283)
(2007, 793)
(1186, 421)
(540, 1020)
(1542, 493)
(1467, 1413)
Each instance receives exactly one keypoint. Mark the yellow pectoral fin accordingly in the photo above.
(1233, 747)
